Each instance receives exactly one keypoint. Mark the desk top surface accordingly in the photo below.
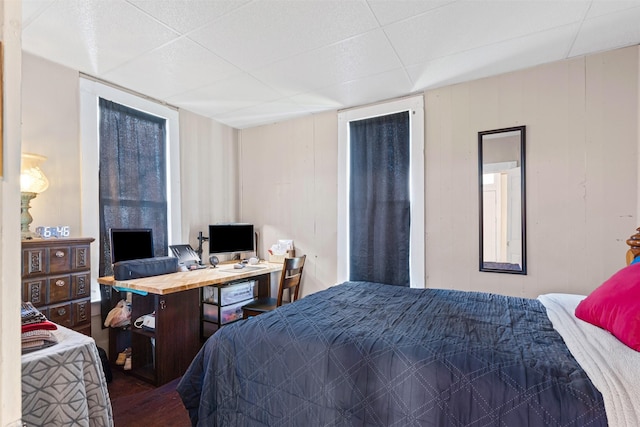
(193, 279)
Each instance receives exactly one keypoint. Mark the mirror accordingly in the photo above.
(502, 200)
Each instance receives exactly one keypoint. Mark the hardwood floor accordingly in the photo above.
(136, 403)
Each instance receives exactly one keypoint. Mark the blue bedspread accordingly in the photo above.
(366, 354)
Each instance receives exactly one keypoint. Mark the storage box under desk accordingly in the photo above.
(223, 314)
(230, 294)
(222, 304)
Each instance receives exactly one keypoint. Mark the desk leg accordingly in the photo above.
(105, 302)
(177, 333)
(118, 340)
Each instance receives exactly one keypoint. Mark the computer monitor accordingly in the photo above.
(231, 238)
(131, 243)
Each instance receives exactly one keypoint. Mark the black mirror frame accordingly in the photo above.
(523, 269)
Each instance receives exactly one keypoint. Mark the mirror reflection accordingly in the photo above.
(502, 200)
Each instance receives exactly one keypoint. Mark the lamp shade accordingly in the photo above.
(32, 179)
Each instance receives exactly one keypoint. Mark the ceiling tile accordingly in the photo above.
(500, 58)
(604, 7)
(87, 40)
(608, 31)
(185, 15)
(468, 25)
(320, 100)
(268, 31)
(231, 94)
(392, 11)
(263, 114)
(351, 59)
(32, 8)
(177, 67)
(362, 91)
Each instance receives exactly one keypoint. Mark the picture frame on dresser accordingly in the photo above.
(56, 279)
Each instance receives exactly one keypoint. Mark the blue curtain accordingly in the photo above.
(379, 199)
(132, 176)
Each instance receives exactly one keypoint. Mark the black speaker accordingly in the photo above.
(214, 260)
(146, 267)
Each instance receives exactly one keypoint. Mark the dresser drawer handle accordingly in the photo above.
(62, 312)
(59, 254)
(60, 282)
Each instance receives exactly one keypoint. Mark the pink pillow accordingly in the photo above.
(615, 306)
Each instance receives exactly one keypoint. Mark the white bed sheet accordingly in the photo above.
(613, 367)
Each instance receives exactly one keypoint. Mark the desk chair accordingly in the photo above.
(289, 279)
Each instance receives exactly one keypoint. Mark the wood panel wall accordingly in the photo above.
(582, 185)
(289, 190)
(582, 166)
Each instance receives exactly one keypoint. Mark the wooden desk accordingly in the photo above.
(164, 354)
(187, 280)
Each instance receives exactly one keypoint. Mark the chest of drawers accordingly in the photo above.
(56, 278)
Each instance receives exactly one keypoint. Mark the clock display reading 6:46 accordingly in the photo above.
(56, 231)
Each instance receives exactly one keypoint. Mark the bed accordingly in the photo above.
(369, 354)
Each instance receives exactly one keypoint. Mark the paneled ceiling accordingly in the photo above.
(251, 62)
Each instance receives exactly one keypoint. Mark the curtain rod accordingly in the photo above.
(129, 91)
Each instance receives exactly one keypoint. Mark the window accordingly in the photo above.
(132, 176)
(396, 113)
(91, 93)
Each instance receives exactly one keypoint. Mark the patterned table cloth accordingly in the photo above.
(65, 384)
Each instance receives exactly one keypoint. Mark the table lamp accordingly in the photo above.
(32, 182)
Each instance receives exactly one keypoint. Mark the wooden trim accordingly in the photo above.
(1, 109)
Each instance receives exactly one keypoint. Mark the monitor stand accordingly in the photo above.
(201, 239)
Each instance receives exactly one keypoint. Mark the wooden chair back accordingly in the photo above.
(290, 278)
(634, 246)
